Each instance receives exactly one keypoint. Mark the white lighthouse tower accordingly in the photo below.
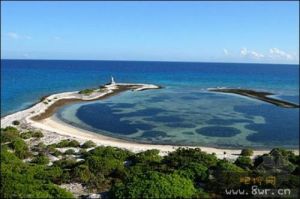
(112, 81)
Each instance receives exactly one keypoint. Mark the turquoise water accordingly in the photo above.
(182, 113)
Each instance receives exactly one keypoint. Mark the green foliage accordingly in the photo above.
(88, 144)
(40, 148)
(244, 162)
(105, 160)
(29, 134)
(16, 122)
(98, 182)
(37, 134)
(281, 151)
(194, 171)
(286, 153)
(103, 165)
(143, 175)
(9, 134)
(21, 180)
(26, 135)
(277, 161)
(66, 143)
(226, 175)
(247, 152)
(184, 156)
(52, 150)
(54, 174)
(56, 153)
(86, 91)
(40, 159)
(147, 156)
(20, 148)
(154, 185)
(66, 163)
(70, 152)
(82, 152)
(110, 152)
(10, 158)
(83, 173)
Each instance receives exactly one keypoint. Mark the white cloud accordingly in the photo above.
(225, 51)
(26, 37)
(57, 38)
(276, 53)
(15, 36)
(251, 54)
(26, 55)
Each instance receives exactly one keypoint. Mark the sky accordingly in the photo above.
(255, 32)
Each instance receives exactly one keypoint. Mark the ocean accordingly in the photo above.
(183, 112)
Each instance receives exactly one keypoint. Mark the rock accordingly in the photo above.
(75, 188)
(94, 196)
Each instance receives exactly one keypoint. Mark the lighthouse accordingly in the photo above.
(112, 81)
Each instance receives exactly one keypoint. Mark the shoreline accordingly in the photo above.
(82, 135)
(61, 102)
(39, 117)
(258, 95)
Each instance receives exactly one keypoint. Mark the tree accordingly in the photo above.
(66, 163)
(70, 152)
(244, 162)
(194, 171)
(82, 173)
(15, 122)
(154, 185)
(40, 159)
(9, 134)
(105, 160)
(147, 156)
(226, 175)
(86, 91)
(184, 156)
(37, 134)
(110, 152)
(247, 152)
(102, 165)
(74, 143)
(22, 180)
(66, 143)
(277, 161)
(21, 148)
(88, 144)
(26, 135)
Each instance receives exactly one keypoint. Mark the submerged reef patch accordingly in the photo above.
(217, 131)
(181, 125)
(154, 134)
(101, 116)
(280, 124)
(225, 122)
(165, 119)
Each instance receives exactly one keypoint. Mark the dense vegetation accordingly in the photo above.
(86, 91)
(184, 173)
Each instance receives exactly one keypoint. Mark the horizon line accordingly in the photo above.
(43, 59)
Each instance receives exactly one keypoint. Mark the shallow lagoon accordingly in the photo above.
(192, 116)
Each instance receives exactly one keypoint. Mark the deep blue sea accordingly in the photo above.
(183, 112)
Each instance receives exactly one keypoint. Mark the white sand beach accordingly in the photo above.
(55, 130)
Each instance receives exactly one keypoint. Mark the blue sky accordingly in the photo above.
(264, 32)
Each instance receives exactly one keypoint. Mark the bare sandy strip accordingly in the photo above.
(259, 95)
(56, 130)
